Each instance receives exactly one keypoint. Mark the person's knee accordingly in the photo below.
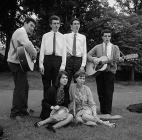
(79, 119)
(70, 117)
(85, 117)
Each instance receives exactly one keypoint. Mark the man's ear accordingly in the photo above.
(71, 27)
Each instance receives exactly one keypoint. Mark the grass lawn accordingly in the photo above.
(128, 128)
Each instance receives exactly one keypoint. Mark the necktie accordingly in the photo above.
(105, 49)
(54, 43)
(74, 46)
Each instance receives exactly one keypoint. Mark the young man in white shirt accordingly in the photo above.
(52, 57)
(76, 50)
(20, 94)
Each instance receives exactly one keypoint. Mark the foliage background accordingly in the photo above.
(95, 15)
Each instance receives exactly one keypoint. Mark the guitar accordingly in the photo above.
(26, 61)
(91, 68)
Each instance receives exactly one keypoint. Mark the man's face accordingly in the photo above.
(75, 26)
(29, 27)
(106, 37)
(55, 25)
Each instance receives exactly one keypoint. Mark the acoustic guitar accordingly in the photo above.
(26, 60)
(91, 68)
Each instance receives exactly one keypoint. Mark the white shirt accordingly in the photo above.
(19, 37)
(80, 46)
(47, 47)
(109, 49)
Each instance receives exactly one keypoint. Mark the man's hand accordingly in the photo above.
(56, 107)
(41, 69)
(104, 59)
(121, 59)
(82, 68)
(62, 69)
(96, 61)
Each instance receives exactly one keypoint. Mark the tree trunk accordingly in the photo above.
(8, 37)
(132, 76)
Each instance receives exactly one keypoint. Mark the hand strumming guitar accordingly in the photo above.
(102, 59)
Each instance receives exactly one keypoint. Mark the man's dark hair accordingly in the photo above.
(54, 17)
(106, 31)
(73, 19)
(29, 19)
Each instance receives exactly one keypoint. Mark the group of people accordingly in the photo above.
(62, 60)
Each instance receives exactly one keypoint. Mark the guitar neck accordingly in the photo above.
(129, 57)
(111, 60)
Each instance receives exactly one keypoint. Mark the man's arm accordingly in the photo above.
(41, 56)
(64, 52)
(84, 57)
(91, 56)
(23, 40)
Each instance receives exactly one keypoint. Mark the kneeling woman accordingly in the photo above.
(82, 103)
(54, 106)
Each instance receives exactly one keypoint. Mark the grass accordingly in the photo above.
(128, 128)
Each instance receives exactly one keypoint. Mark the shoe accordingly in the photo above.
(1, 131)
(37, 125)
(109, 117)
(50, 128)
(13, 116)
(19, 118)
(24, 113)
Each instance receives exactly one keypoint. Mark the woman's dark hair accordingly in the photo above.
(79, 73)
(59, 77)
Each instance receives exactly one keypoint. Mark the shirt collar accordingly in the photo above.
(108, 44)
(75, 33)
(53, 32)
(23, 28)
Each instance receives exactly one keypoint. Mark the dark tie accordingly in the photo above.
(54, 43)
(74, 46)
(105, 49)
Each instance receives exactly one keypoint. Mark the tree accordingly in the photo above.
(130, 6)
(10, 15)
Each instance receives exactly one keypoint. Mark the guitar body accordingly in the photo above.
(26, 62)
(91, 68)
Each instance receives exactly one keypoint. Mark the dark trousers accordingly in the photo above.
(73, 64)
(105, 88)
(20, 94)
(52, 65)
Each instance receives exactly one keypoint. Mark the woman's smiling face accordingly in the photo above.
(80, 80)
(63, 80)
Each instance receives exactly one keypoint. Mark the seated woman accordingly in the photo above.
(54, 106)
(82, 103)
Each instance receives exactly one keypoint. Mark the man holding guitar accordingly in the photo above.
(20, 39)
(104, 53)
